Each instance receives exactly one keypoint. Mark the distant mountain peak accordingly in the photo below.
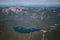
(14, 10)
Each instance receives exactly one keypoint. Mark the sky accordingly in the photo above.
(28, 2)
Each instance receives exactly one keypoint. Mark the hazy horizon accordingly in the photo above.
(29, 2)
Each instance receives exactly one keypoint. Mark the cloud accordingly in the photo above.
(28, 2)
